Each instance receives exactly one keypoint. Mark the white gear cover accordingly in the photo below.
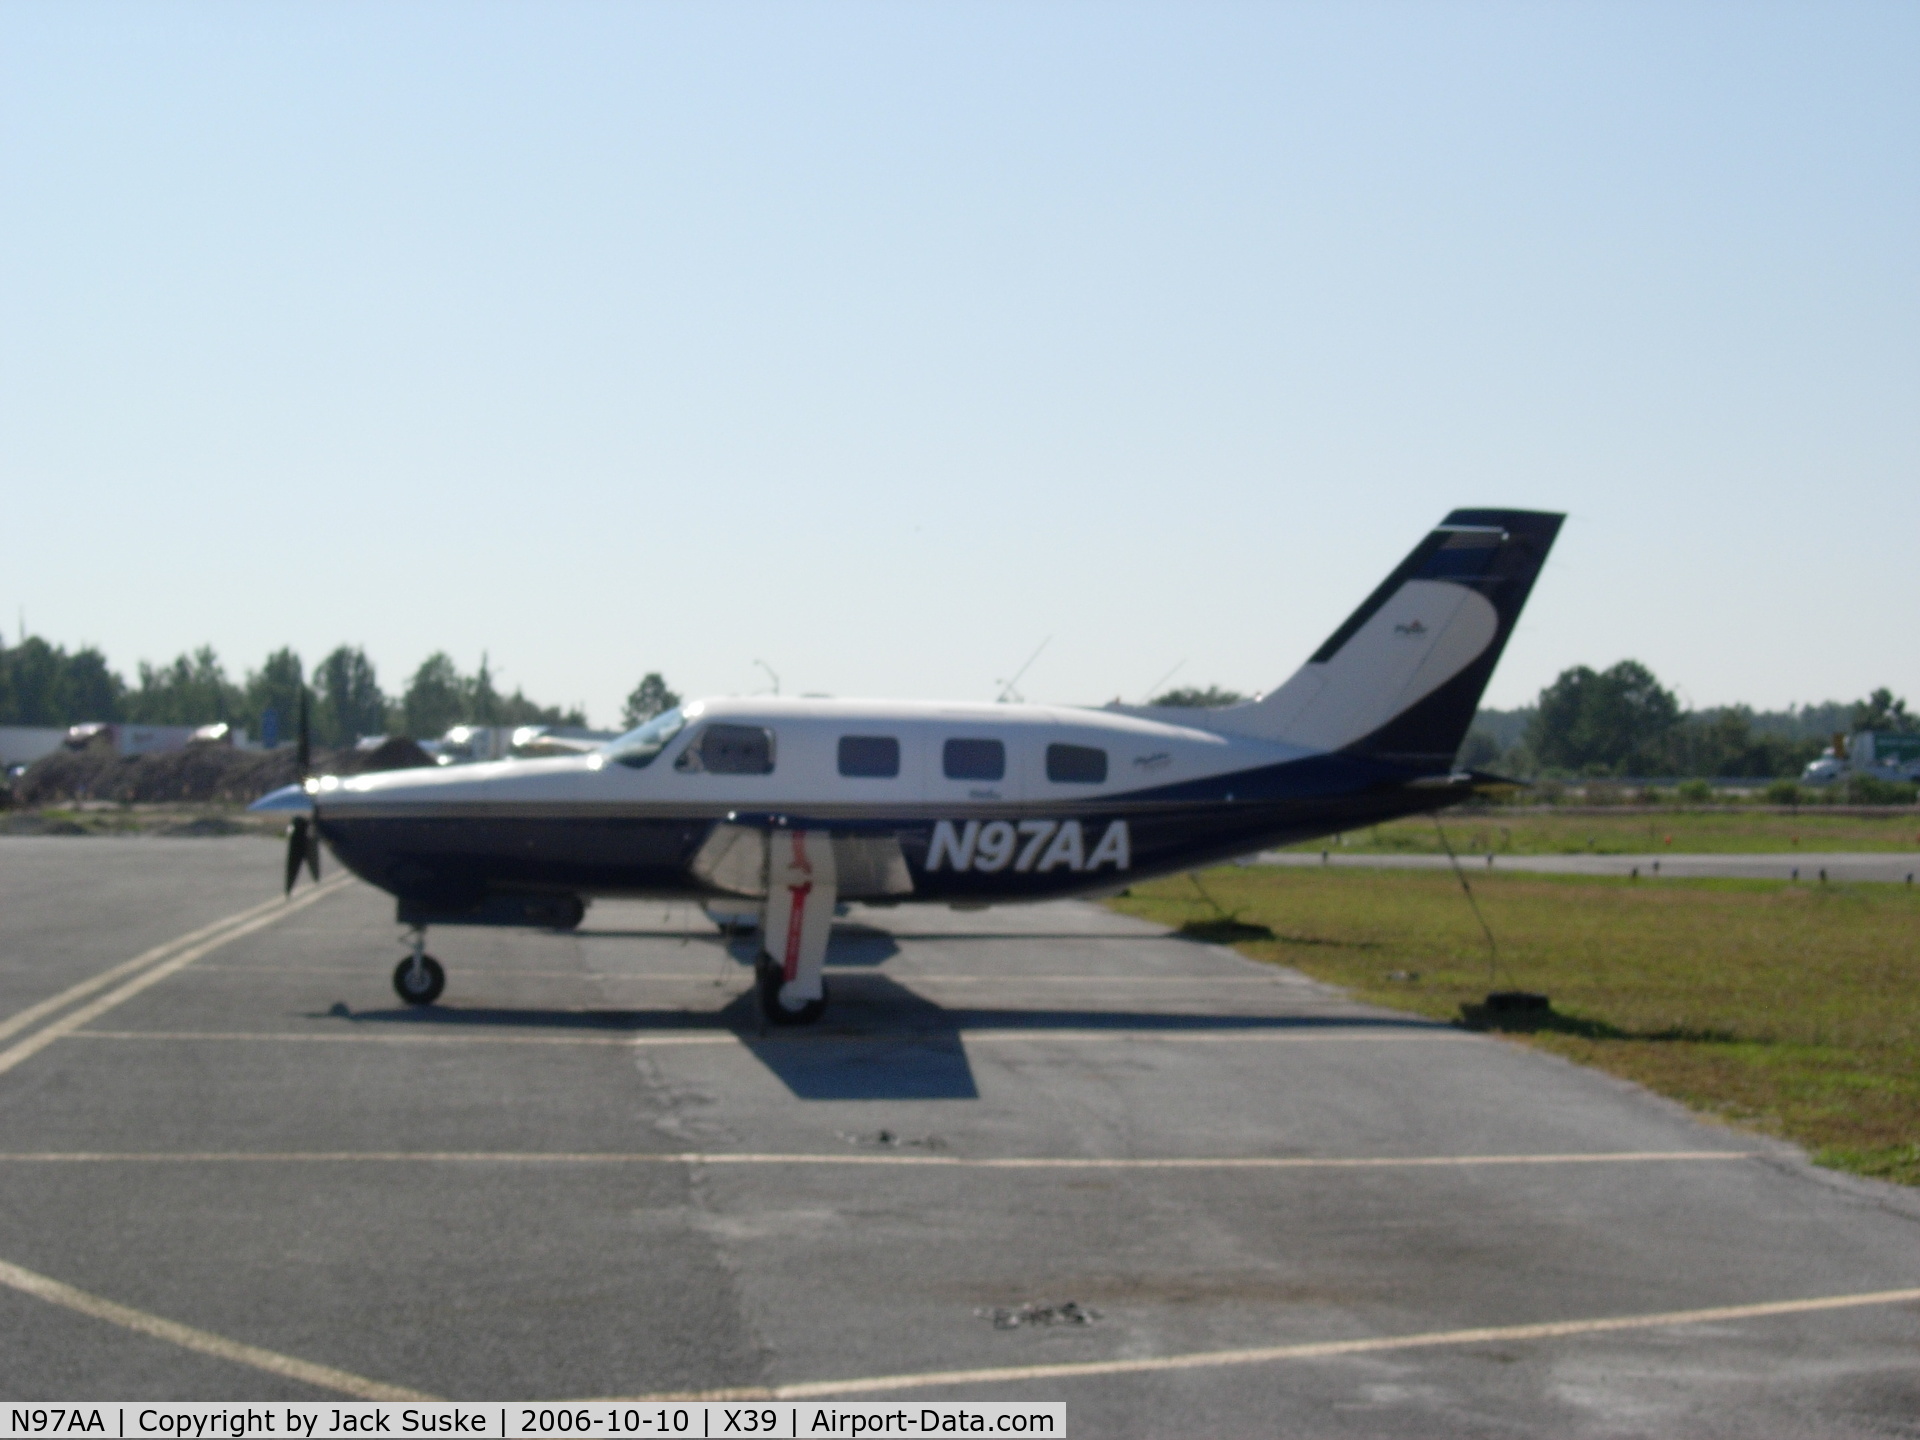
(801, 893)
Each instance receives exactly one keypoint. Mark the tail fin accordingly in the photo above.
(1401, 679)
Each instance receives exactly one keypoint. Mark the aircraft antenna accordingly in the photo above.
(1154, 688)
(1006, 686)
(769, 669)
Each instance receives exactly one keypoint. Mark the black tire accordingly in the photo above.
(772, 977)
(405, 982)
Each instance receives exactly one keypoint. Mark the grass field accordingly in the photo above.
(1708, 830)
(1790, 1009)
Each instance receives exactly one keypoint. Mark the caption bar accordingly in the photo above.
(601, 1419)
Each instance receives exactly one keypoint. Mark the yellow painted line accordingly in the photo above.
(961, 1162)
(321, 1377)
(1279, 1034)
(34, 1013)
(908, 977)
(729, 1037)
(74, 1019)
(1316, 1350)
(706, 977)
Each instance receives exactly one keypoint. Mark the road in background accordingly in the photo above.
(1891, 868)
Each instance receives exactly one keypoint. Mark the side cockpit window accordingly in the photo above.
(730, 750)
(872, 757)
(1076, 765)
(974, 760)
(637, 748)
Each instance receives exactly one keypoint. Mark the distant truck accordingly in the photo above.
(129, 739)
(1881, 754)
(468, 744)
(24, 744)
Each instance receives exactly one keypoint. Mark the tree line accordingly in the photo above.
(44, 684)
(1622, 721)
(1615, 722)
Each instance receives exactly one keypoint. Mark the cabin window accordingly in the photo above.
(736, 750)
(871, 757)
(1076, 765)
(974, 760)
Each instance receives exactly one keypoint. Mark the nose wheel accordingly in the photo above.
(418, 979)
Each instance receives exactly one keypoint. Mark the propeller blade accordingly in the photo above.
(313, 848)
(304, 755)
(296, 850)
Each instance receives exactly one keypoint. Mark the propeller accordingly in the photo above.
(303, 835)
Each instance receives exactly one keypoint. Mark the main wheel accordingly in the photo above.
(774, 1010)
(422, 986)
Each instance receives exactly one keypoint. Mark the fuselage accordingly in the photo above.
(964, 803)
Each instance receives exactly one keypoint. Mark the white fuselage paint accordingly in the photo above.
(1140, 754)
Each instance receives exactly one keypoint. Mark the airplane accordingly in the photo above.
(789, 807)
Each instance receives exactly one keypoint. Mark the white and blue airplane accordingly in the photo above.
(785, 807)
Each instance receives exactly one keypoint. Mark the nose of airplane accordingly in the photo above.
(293, 798)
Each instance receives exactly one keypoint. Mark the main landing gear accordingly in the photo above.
(418, 979)
(802, 886)
(776, 1006)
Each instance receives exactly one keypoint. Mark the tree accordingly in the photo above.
(1598, 722)
(1882, 710)
(88, 689)
(435, 700)
(275, 686)
(348, 702)
(40, 684)
(650, 697)
(483, 701)
(31, 684)
(1724, 743)
(1193, 697)
(193, 690)
(1479, 751)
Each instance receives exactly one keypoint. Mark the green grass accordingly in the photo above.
(1789, 1009)
(1708, 830)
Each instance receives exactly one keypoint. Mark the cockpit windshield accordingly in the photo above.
(637, 748)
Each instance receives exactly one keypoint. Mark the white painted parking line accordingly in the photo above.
(243, 924)
(728, 1037)
(14, 1024)
(1314, 1350)
(960, 1162)
(321, 1377)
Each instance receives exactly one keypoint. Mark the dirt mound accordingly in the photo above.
(199, 774)
(396, 752)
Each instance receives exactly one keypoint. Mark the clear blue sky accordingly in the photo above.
(880, 342)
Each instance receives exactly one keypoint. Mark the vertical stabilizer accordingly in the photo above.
(1401, 679)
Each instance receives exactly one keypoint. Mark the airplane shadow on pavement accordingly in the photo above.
(880, 1040)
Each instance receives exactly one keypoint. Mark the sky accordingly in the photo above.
(874, 346)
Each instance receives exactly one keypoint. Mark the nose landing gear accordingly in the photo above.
(418, 979)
